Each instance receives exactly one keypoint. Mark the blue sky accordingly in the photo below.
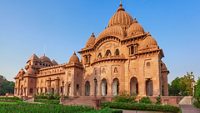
(59, 27)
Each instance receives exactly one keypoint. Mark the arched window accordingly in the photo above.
(148, 64)
(87, 88)
(115, 87)
(104, 87)
(133, 86)
(117, 52)
(108, 53)
(99, 56)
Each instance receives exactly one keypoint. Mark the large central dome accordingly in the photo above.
(121, 18)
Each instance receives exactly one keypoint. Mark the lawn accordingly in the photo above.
(21, 107)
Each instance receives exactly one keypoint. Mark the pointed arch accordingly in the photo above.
(104, 87)
(115, 87)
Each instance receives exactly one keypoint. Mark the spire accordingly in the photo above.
(121, 7)
(74, 53)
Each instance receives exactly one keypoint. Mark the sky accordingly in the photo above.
(57, 28)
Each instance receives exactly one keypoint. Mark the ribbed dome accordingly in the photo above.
(45, 59)
(148, 43)
(91, 41)
(34, 58)
(121, 18)
(74, 59)
(115, 31)
(135, 29)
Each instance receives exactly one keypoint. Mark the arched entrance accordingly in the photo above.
(133, 86)
(87, 88)
(104, 87)
(149, 87)
(115, 87)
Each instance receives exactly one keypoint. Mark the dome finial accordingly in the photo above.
(121, 7)
(93, 35)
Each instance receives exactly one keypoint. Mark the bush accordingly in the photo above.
(46, 101)
(145, 100)
(197, 94)
(141, 106)
(48, 96)
(124, 98)
(158, 100)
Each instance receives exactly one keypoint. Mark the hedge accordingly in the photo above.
(141, 106)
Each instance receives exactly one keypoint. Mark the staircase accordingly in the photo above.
(187, 100)
(83, 100)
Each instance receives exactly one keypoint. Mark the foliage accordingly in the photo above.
(6, 86)
(197, 94)
(145, 100)
(124, 97)
(141, 106)
(158, 100)
(182, 86)
(10, 99)
(49, 108)
(46, 101)
(47, 96)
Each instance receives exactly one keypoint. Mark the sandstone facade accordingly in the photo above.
(123, 58)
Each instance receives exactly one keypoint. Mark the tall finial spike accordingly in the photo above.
(120, 2)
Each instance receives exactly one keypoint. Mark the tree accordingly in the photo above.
(182, 86)
(6, 86)
(197, 91)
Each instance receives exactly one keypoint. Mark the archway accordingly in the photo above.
(149, 87)
(133, 86)
(115, 87)
(104, 87)
(87, 88)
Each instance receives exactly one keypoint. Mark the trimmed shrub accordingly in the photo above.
(141, 106)
(145, 100)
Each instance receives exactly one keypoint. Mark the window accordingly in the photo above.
(148, 64)
(99, 56)
(108, 53)
(132, 49)
(117, 52)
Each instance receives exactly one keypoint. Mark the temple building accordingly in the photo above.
(122, 58)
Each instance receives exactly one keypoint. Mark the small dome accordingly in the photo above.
(121, 18)
(115, 31)
(74, 59)
(148, 43)
(135, 29)
(91, 41)
(33, 58)
(45, 59)
(54, 62)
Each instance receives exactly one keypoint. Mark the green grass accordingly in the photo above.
(21, 107)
